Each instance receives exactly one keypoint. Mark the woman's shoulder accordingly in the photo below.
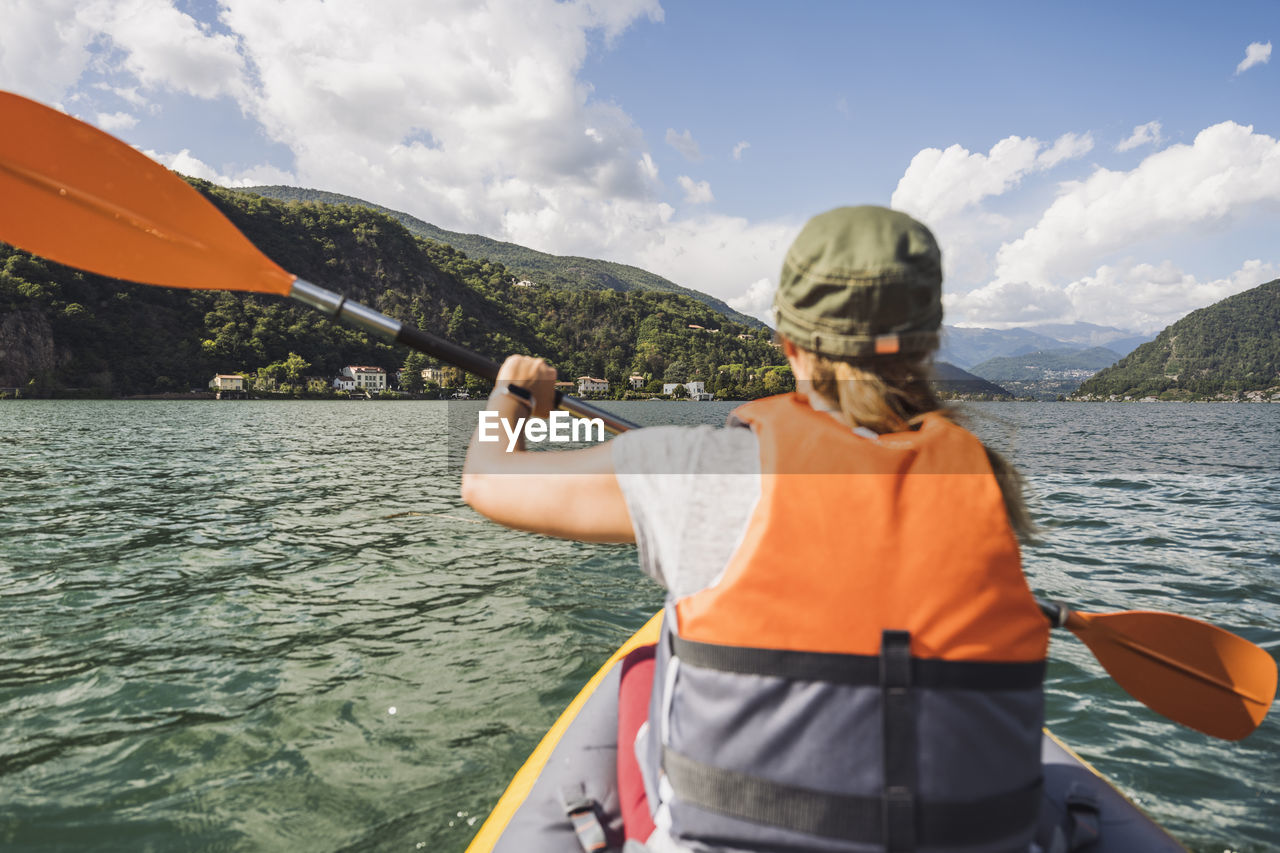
(686, 450)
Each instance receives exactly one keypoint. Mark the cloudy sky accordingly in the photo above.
(1112, 163)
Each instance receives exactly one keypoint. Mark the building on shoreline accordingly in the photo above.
(589, 385)
(227, 386)
(371, 380)
(692, 390)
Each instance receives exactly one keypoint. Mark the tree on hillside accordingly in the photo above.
(411, 373)
(294, 367)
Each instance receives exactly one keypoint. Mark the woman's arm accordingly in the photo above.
(573, 494)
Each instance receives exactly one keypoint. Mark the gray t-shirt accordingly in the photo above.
(691, 492)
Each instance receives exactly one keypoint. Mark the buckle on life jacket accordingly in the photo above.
(584, 813)
(1084, 826)
(1072, 827)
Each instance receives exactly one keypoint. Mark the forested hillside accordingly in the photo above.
(1229, 350)
(562, 271)
(63, 331)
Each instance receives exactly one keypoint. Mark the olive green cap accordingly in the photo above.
(861, 281)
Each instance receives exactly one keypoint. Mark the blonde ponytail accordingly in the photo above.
(891, 394)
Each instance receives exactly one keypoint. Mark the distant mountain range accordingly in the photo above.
(1048, 374)
(1229, 350)
(564, 271)
(969, 347)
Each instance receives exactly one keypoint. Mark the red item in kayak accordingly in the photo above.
(634, 687)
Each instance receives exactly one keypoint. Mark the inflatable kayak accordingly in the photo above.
(565, 798)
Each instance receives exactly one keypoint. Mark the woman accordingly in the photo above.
(852, 658)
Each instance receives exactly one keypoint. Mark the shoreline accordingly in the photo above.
(401, 398)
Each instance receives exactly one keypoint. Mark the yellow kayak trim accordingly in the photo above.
(522, 783)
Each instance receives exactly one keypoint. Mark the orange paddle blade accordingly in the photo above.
(1190, 671)
(78, 196)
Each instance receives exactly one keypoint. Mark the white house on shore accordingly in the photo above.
(636, 381)
(372, 380)
(589, 384)
(694, 390)
(433, 374)
(227, 382)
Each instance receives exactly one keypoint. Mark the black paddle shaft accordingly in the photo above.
(353, 313)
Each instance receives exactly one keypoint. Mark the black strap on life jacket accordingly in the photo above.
(898, 712)
(847, 817)
(857, 670)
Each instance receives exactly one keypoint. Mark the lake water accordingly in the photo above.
(274, 626)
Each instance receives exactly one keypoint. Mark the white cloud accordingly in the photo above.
(128, 94)
(756, 300)
(1227, 169)
(468, 114)
(168, 49)
(939, 184)
(44, 47)
(1140, 296)
(946, 189)
(1065, 266)
(648, 168)
(1002, 304)
(1068, 146)
(739, 148)
(722, 255)
(685, 144)
(188, 164)
(1143, 134)
(115, 122)
(1081, 257)
(695, 192)
(1148, 297)
(1256, 53)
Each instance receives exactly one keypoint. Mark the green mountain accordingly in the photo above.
(1230, 350)
(545, 270)
(63, 331)
(1046, 374)
(955, 383)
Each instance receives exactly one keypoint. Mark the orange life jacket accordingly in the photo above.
(907, 531)
(866, 673)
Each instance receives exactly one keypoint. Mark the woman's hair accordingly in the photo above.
(891, 394)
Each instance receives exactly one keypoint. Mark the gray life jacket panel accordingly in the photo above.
(762, 749)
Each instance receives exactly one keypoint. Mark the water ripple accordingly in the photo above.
(212, 608)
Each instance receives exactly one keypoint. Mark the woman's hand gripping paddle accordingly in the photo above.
(81, 197)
